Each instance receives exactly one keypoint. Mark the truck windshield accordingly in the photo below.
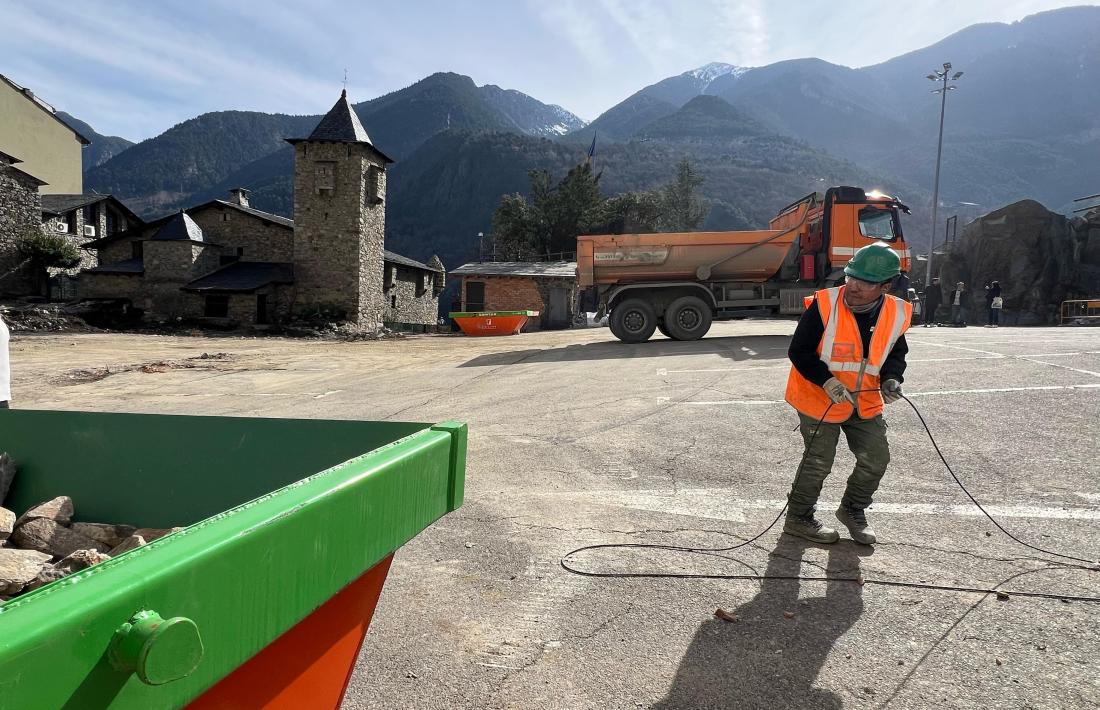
(877, 224)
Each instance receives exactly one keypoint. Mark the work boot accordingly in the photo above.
(809, 527)
(855, 519)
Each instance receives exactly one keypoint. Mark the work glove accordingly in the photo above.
(838, 392)
(891, 391)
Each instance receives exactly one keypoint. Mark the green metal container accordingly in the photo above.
(281, 514)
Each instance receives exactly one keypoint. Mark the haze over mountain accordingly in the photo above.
(1024, 122)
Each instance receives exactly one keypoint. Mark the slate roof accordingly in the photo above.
(130, 266)
(61, 204)
(269, 216)
(341, 125)
(556, 269)
(244, 276)
(180, 228)
(406, 261)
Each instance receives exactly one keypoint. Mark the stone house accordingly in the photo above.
(226, 260)
(20, 214)
(549, 287)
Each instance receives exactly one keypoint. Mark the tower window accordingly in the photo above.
(373, 180)
(326, 177)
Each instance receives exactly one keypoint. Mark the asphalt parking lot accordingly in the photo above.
(577, 439)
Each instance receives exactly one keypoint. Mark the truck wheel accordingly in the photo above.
(688, 318)
(633, 321)
(664, 331)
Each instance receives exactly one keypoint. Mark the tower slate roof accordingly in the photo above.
(341, 125)
(180, 228)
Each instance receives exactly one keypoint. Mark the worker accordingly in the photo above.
(848, 359)
(5, 368)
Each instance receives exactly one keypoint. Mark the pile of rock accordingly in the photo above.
(44, 318)
(1040, 258)
(44, 544)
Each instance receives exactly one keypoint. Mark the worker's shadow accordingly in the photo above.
(769, 658)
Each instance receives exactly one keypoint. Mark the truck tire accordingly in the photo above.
(688, 318)
(664, 331)
(633, 320)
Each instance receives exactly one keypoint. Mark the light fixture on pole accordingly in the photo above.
(946, 77)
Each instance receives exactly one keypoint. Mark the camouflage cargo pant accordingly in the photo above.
(867, 441)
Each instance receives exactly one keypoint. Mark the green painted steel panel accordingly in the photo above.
(308, 507)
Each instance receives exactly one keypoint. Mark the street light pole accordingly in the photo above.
(938, 76)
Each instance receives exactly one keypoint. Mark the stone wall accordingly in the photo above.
(20, 213)
(339, 229)
(523, 293)
(74, 235)
(129, 286)
(407, 302)
(232, 230)
(169, 265)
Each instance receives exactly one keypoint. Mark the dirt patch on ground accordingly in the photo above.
(84, 375)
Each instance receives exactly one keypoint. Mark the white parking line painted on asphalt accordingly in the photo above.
(723, 504)
(1063, 367)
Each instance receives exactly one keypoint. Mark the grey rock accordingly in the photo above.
(53, 538)
(7, 523)
(47, 574)
(18, 568)
(1040, 258)
(130, 543)
(59, 509)
(81, 559)
(110, 535)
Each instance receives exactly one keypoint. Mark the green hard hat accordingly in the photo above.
(875, 263)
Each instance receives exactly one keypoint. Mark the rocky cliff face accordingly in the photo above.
(1040, 257)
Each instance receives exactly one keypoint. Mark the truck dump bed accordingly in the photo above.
(731, 256)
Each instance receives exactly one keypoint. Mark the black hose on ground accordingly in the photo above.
(1088, 564)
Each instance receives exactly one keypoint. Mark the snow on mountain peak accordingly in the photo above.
(709, 72)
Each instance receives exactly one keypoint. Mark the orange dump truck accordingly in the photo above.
(679, 282)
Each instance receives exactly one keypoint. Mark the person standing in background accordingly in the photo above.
(933, 297)
(5, 368)
(994, 302)
(958, 301)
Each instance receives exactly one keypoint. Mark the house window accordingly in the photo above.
(393, 301)
(216, 306)
(475, 296)
(90, 214)
(112, 222)
(326, 177)
(225, 216)
(137, 250)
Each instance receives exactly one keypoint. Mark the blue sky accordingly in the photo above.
(136, 68)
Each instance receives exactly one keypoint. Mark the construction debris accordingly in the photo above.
(725, 615)
(43, 545)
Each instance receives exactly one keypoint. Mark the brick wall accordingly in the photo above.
(20, 212)
(522, 293)
(406, 302)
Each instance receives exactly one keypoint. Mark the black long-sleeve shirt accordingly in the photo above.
(807, 336)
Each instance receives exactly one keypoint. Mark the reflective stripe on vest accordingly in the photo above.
(841, 349)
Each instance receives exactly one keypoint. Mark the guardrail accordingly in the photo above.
(1081, 312)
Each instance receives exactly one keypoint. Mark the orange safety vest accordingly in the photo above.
(841, 349)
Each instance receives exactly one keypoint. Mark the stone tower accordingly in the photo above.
(339, 219)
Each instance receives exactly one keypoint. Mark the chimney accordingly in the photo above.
(239, 196)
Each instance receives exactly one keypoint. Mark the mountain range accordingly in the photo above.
(1023, 122)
